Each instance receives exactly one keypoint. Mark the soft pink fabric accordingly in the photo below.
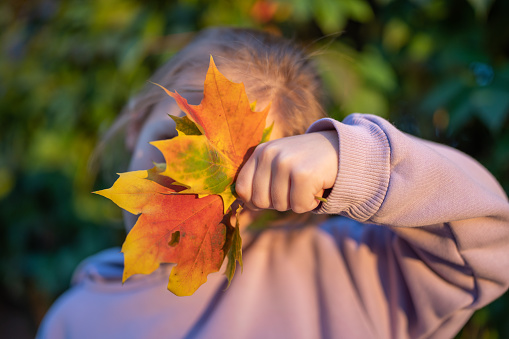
(422, 241)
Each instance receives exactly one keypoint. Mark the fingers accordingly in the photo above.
(253, 184)
(244, 183)
(261, 191)
(288, 173)
(262, 182)
(302, 198)
(265, 181)
(280, 184)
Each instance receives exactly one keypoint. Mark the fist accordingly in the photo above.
(288, 173)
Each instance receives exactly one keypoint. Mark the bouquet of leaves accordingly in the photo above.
(185, 204)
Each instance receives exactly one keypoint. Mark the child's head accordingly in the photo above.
(272, 69)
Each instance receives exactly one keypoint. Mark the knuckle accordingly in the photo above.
(260, 202)
(299, 209)
(279, 197)
(297, 178)
(301, 173)
(284, 162)
(279, 204)
(258, 150)
(269, 152)
(303, 202)
(241, 189)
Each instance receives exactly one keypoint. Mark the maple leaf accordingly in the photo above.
(181, 229)
(193, 162)
(182, 203)
(209, 163)
(235, 249)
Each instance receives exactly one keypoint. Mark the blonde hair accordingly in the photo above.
(273, 69)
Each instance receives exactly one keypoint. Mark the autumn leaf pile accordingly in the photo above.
(185, 204)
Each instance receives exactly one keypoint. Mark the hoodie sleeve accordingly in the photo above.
(447, 220)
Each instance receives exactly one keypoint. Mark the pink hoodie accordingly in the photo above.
(421, 240)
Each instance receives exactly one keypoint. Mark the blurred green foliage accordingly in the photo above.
(437, 69)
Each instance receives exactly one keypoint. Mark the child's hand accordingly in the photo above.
(288, 173)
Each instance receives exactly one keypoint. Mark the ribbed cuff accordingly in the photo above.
(363, 169)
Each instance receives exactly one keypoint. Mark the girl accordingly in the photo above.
(419, 241)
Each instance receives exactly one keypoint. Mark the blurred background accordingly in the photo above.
(437, 69)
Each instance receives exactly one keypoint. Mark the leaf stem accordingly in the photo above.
(320, 199)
